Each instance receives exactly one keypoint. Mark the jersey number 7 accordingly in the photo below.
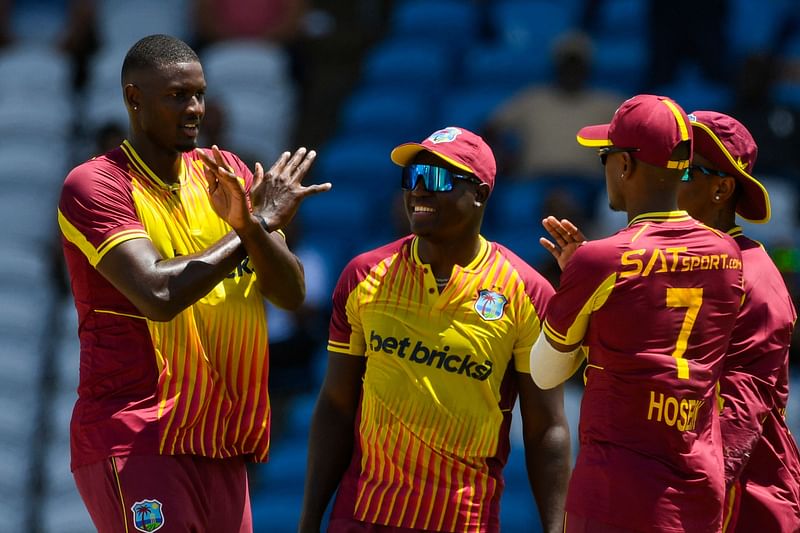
(692, 299)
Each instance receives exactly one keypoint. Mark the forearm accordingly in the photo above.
(548, 458)
(161, 288)
(278, 271)
(329, 452)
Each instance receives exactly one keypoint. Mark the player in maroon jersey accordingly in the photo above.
(762, 467)
(650, 308)
(169, 264)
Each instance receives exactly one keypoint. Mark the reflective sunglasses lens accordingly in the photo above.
(435, 179)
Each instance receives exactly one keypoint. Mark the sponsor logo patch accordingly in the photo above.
(147, 515)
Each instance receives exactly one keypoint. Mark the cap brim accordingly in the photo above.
(403, 155)
(594, 136)
(753, 204)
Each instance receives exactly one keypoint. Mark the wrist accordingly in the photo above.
(264, 223)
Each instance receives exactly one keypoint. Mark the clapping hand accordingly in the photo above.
(277, 194)
(567, 238)
(227, 194)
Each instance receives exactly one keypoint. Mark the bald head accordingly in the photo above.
(156, 52)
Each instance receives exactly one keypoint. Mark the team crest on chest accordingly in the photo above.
(490, 305)
(147, 515)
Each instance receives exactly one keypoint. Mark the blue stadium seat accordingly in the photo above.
(788, 93)
(470, 107)
(504, 66)
(517, 204)
(619, 64)
(395, 114)
(616, 14)
(753, 24)
(361, 160)
(531, 24)
(276, 511)
(692, 91)
(417, 64)
(122, 23)
(450, 22)
(340, 212)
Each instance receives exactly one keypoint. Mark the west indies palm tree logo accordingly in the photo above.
(490, 304)
(147, 515)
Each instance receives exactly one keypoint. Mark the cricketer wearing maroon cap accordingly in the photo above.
(762, 466)
(429, 343)
(650, 309)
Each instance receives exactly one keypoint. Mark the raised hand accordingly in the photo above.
(277, 194)
(567, 236)
(226, 191)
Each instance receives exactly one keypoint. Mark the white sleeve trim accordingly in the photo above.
(550, 367)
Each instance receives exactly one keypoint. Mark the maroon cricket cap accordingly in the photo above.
(727, 144)
(459, 147)
(653, 125)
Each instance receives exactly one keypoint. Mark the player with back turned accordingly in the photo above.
(762, 463)
(651, 309)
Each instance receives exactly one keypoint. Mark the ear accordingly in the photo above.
(724, 189)
(627, 165)
(481, 194)
(132, 96)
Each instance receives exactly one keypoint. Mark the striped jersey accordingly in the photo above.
(196, 384)
(759, 450)
(653, 306)
(439, 386)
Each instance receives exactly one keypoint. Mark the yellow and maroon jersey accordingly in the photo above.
(196, 384)
(439, 386)
(759, 450)
(653, 306)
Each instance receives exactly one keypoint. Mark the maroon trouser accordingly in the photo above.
(166, 493)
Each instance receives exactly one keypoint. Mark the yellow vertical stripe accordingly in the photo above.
(119, 492)
(682, 126)
(731, 499)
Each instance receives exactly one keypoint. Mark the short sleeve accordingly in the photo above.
(346, 334)
(586, 283)
(96, 210)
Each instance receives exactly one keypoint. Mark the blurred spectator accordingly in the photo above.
(6, 36)
(682, 29)
(277, 21)
(775, 126)
(678, 30)
(108, 136)
(79, 38)
(533, 133)
(215, 125)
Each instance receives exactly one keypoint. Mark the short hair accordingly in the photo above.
(157, 51)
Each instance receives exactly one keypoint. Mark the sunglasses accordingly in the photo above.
(435, 179)
(707, 171)
(603, 152)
